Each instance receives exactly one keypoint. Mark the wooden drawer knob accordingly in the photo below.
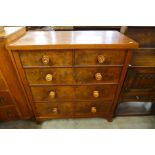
(45, 59)
(96, 94)
(101, 59)
(93, 109)
(49, 77)
(55, 110)
(52, 94)
(98, 76)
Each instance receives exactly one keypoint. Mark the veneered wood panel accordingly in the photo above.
(56, 57)
(90, 57)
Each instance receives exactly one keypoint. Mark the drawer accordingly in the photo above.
(50, 76)
(5, 98)
(143, 57)
(46, 58)
(99, 57)
(8, 113)
(72, 108)
(53, 93)
(72, 76)
(104, 92)
(98, 75)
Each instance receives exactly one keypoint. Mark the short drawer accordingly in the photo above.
(50, 76)
(99, 57)
(143, 57)
(46, 58)
(72, 108)
(53, 93)
(8, 113)
(5, 98)
(98, 75)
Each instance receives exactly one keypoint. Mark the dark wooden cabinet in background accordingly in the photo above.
(138, 93)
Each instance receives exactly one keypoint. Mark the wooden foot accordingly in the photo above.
(110, 119)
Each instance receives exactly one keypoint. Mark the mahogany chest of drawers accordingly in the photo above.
(72, 73)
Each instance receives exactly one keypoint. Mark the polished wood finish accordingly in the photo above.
(3, 85)
(12, 92)
(107, 92)
(74, 60)
(73, 40)
(70, 109)
(73, 75)
(56, 58)
(99, 57)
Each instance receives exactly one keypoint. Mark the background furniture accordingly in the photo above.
(13, 101)
(138, 93)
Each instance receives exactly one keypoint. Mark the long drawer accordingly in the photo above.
(53, 93)
(73, 75)
(70, 108)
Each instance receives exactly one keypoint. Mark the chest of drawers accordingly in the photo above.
(72, 73)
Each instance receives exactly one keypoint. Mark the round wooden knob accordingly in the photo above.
(45, 59)
(96, 94)
(52, 94)
(101, 59)
(93, 109)
(49, 77)
(98, 76)
(55, 110)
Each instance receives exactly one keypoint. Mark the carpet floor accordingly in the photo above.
(138, 122)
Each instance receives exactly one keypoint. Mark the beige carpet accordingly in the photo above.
(142, 122)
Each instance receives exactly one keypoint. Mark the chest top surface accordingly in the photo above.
(72, 39)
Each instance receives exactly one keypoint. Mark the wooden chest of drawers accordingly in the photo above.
(72, 74)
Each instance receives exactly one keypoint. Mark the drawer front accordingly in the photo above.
(5, 98)
(143, 57)
(104, 92)
(89, 75)
(46, 58)
(70, 108)
(99, 57)
(8, 113)
(53, 93)
(72, 76)
(50, 76)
